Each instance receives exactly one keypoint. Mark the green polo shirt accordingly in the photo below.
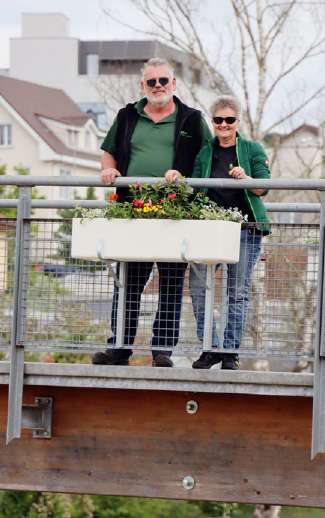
(152, 143)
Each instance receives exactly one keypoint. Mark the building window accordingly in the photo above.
(87, 140)
(92, 64)
(65, 191)
(73, 138)
(5, 135)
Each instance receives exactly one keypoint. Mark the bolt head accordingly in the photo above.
(192, 406)
(188, 482)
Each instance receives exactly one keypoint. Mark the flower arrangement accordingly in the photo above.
(162, 200)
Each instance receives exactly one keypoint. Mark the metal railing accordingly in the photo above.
(53, 303)
(66, 303)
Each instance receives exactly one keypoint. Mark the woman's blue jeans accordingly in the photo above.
(238, 286)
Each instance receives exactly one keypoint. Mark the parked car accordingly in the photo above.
(57, 270)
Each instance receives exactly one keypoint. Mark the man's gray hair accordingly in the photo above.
(226, 101)
(157, 62)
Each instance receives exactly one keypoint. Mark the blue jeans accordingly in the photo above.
(238, 285)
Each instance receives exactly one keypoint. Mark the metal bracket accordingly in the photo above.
(109, 262)
(112, 272)
(38, 417)
(184, 251)
(186, 259)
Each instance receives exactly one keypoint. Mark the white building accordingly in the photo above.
(43, 130)
(98, 75)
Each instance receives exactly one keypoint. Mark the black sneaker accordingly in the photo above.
(230, 362)
(161, 360)
(109, 358)
(207, 359)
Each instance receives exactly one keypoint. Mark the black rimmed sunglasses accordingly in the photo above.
(163, 81)
(228, 120)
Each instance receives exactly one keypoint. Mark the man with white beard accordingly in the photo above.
(158, 136)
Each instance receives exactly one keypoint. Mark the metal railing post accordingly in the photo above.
(16, 378)
(318, 429)
(209, 305)
(223, 302)
(120, 324)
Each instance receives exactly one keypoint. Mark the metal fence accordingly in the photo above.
(7, 265)
(67, 302)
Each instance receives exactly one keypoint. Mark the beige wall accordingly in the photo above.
(47, 61)
(25, 152)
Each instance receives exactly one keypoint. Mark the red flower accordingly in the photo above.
(162, 200)
(171, 195)
(112, 197)
(139, 204)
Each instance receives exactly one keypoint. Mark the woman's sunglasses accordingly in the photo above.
(228, 120)
(163, 81)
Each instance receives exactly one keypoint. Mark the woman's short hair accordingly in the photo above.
(226, 101)
(157, 62)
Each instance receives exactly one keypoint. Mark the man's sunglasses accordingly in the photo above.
(163, 81)
(228, 120)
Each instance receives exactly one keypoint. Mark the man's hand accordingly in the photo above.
(172, 175)
(109, 175)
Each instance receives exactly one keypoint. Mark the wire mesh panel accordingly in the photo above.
(72, 305)
(7, 261)
(68, 300)
(288, 273)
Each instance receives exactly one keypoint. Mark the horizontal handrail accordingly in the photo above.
(96, 204)
(81, 181)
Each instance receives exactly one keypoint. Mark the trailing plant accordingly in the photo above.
(175, 200)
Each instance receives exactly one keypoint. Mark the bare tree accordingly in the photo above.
(265, 53)
(264, 28)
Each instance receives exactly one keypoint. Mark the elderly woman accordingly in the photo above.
(229, 155)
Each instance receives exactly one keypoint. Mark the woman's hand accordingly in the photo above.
(238, 173)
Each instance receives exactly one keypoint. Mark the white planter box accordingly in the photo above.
(156, 240)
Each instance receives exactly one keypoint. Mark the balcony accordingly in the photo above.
(142, 430)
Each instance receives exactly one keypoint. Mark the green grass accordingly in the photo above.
(302, 512)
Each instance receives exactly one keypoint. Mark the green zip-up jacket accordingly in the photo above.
(252, 158)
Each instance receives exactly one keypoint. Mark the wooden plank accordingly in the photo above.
(243, 448)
